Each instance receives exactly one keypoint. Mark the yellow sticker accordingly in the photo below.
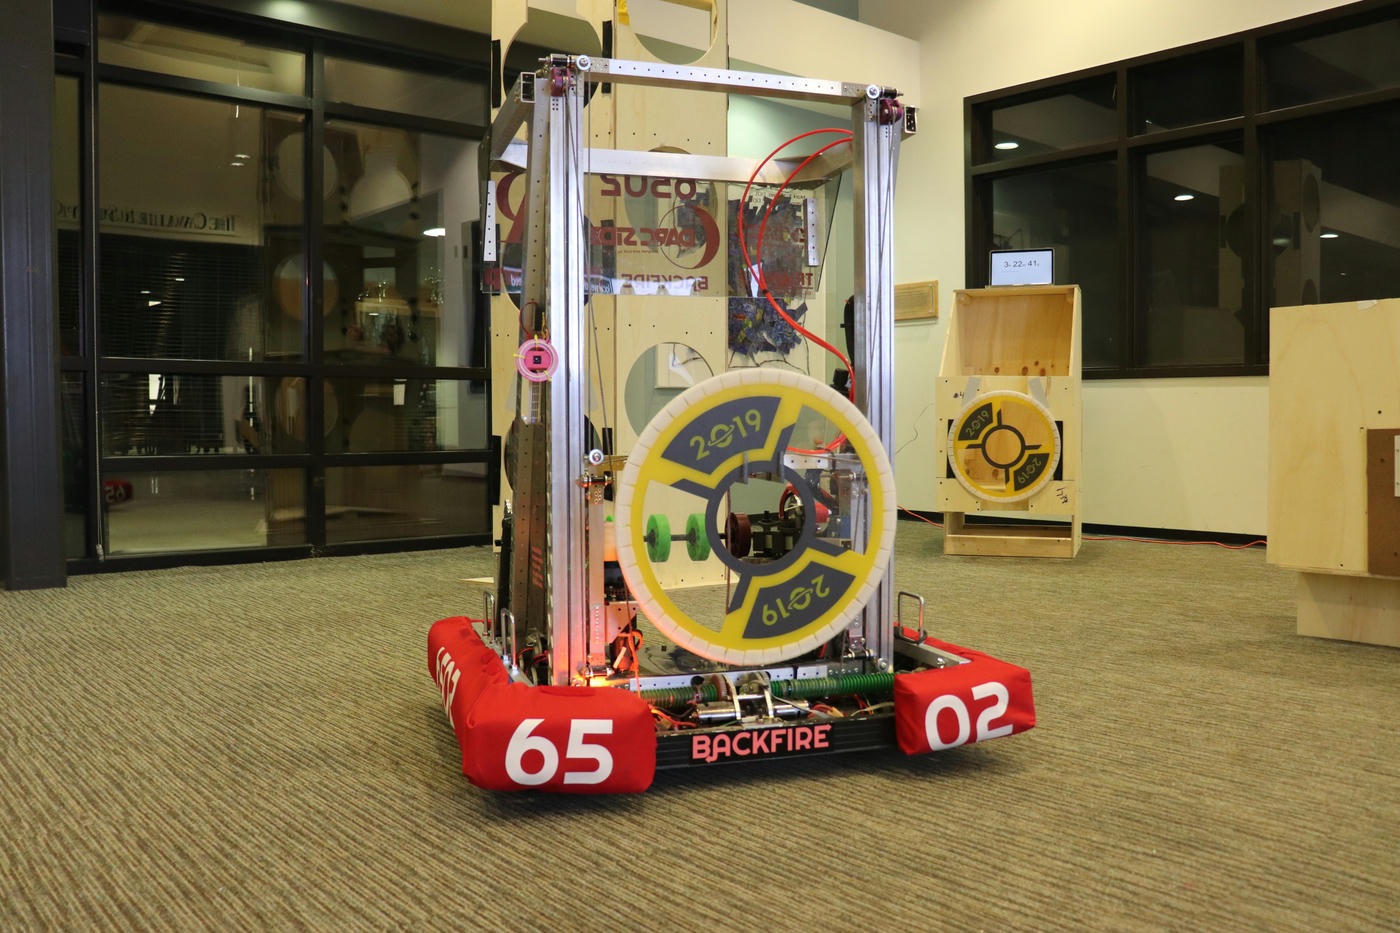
(1004, 446)
(622, 16)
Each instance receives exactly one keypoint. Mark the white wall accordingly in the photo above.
(1164, 453)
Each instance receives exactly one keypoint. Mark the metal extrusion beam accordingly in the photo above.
(568, 241)
(514, 112)
(876, 158)
(690, 78)
(530, 475)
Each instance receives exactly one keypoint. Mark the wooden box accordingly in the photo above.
(1010, 415)
(1334, 489)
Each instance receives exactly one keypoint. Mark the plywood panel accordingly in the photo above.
(1013, 331)
(1333, 374)
(652, 118)
(1009, 540)
(1365, 609)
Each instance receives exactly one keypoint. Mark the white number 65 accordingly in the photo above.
(521, 741)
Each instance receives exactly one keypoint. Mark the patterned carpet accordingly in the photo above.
(260, 747)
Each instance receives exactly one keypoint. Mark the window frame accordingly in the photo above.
(1131, 149)
(77, 56)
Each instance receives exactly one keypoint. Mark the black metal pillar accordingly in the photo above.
(31, 485)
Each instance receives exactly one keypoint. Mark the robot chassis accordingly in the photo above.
(566, 609)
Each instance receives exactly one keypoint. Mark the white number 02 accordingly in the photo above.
(953, 702)
(522, 741)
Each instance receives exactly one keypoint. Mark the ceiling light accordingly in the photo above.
(152, 304)
(1330, 236)
(236, 164)
(435, 231)
(242, 155)
(179, 278)
(1008, 144)
(145, 291)
(1184, 197)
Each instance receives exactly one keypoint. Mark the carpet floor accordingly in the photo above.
(261, 747)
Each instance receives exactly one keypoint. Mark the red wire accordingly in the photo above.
(1228, 547)
(758, 251)
(920, 517)
(762, 277)
(520, 315)
(768, 158)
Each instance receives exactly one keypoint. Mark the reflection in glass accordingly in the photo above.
(395, 242)
(151, 414)
(380, 502)
(679, 238)
(364, 415)
(1349, 61)
(448, 96)
(185, 222)
(75, 466)
(1192, 255)
(1074, 210)
(67, 191)
(134, 43)
(1194, 89)
(1074, 116)
(195, 510)
(1334, 210)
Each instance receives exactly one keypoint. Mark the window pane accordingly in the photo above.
(372, 503)
(404, 414)
(1334, 210)
(67, 191)
(195, 510)
(444, 96)
(149, 414)
(395, 240)
(1195, 89)
(191, 196)
(1349, 61)
(75, 467)
(134, 43)
(1192, 255)
(1075, 211)
(1074, 116)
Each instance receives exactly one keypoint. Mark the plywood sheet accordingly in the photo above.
(1332, 376)
(1365, 609)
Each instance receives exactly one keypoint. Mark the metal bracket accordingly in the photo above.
(899, 616)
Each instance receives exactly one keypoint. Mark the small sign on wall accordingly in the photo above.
(1022, 267)
(916, 301)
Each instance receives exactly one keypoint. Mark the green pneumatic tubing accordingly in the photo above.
(838, 685)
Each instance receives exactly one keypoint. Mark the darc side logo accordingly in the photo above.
(685, 233)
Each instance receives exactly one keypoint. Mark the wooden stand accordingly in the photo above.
(1334, 489)
(1026, 340)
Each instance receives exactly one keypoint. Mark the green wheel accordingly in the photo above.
(658, 538)
(697, 543)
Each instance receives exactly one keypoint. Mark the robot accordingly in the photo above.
(591, 669)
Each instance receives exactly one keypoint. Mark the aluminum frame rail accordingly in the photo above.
(554, 156)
